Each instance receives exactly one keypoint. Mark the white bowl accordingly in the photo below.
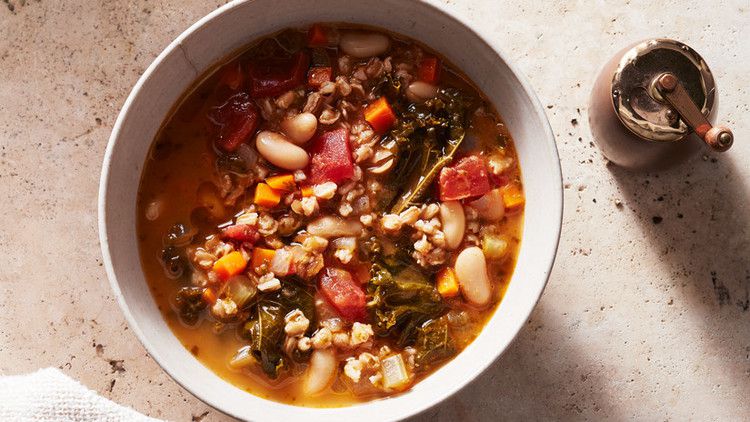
(237, 24)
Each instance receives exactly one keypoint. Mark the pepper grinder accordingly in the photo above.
(652, 106)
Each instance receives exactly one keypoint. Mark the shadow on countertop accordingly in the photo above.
(697, 216)
(543, 375)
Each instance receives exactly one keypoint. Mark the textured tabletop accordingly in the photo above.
(647, 312)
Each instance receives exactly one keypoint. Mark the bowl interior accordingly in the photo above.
(235, 25)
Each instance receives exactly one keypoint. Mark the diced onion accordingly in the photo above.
(242, 359)
(494, 246)
(240, 289)
(395, 375)
(281, 262)
(248, 155)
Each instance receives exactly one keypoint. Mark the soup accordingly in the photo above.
(330, 215)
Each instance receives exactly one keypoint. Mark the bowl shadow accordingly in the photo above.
(697, 216)
(544, 375)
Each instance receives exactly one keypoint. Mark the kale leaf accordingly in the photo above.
(428, 136)
(190, 303)
(401, 299)
(265, 328)
(434, 343)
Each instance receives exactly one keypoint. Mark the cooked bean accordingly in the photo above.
(277, 149)
(331, 226)
(490, 206)
(473, 280)
(364, 44)
(321, 371)
(454, 223)
(420, 91)
(300, 128)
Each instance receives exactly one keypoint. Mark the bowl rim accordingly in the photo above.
(555, 206)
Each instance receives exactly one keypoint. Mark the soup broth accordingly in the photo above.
(330, 215)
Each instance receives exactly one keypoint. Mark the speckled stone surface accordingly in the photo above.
(647, 312)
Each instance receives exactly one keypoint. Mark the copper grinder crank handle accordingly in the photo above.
(720, 138)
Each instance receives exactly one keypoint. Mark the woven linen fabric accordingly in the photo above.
(49, 395)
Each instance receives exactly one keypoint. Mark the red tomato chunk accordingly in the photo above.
(236, 120)
(465, 179)
(331, 157)
(240, 233)
(270, 78)
(316, 76)
(343, 293)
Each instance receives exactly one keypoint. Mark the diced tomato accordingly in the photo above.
(380, 115)
(317, 35)
(236, 121)
(343, 293)
(331, 157)
(232, 76)
(465, 179)
(429, 70)
(272, 77)
(316, 76)
(241, 233)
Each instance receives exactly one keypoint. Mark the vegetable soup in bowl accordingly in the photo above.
(335, 211)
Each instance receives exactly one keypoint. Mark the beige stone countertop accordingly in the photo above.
(646, 314)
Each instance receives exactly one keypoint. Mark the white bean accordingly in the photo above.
(300, 128)
(277, 149)
(331, 226)
(420, 91)
(364, 44)
(490, 206)
(454, 223)
(473, 280)
(321, 371)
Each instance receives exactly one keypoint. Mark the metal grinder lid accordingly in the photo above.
(637, 102)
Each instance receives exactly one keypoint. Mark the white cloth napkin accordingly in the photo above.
(49, 395)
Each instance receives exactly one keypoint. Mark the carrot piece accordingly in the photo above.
(447, 283)
(317, 35)
(283, 182)
(512, 196)
(266, 196)
(262, 256)
(230, 264)
(380, 115)
(209, 296)
(429, 70)
(307, 191)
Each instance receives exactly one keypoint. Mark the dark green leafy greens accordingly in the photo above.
(190, 303)
(265, 328)
(401, 300)
(427, 136)
(434, 343)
